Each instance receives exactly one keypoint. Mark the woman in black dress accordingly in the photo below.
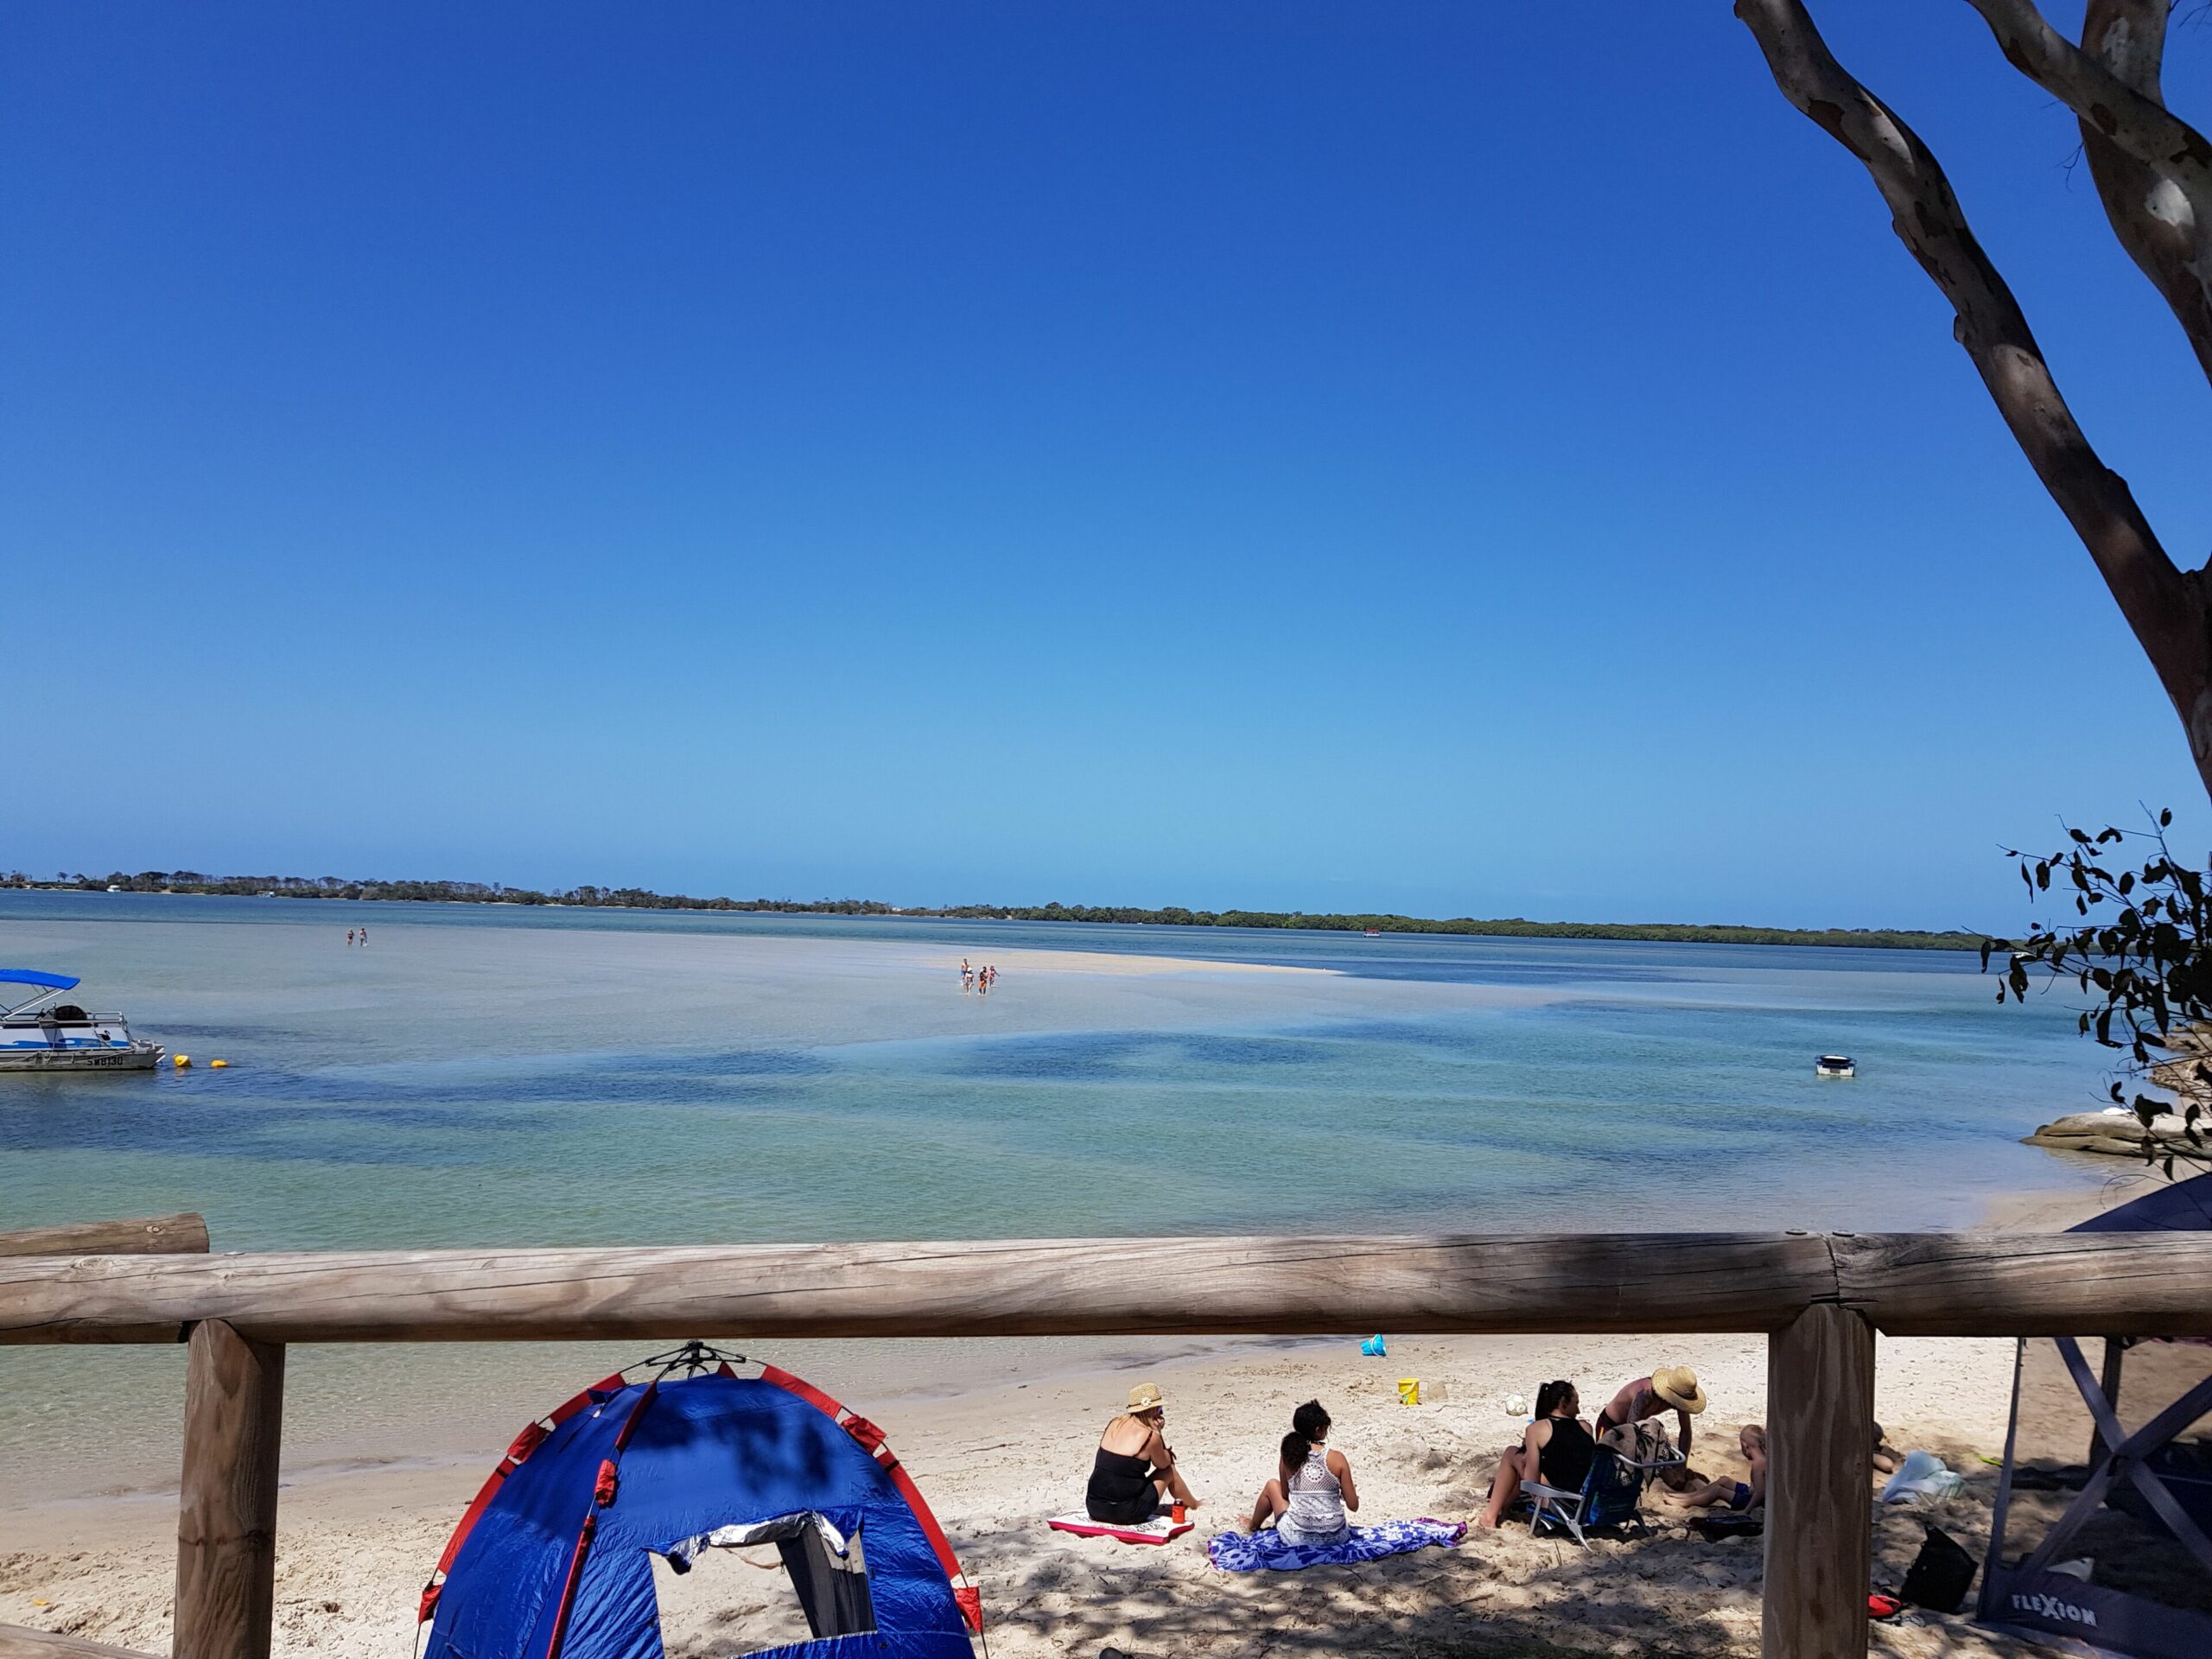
(1135, 1469)
(1555, 1450)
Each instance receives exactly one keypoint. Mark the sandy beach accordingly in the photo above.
(357, 1540)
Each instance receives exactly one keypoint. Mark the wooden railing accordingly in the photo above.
(156, 1235)
(1820, 1298)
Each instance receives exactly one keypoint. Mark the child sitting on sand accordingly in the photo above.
(1731, 1494)
(1313, 1488)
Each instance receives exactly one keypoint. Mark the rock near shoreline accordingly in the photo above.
(2121, 1134)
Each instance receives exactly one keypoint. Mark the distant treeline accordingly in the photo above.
(446, 892)
(479, 892)
(1508, 928)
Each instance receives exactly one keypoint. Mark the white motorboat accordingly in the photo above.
(41, 1034)
(1835, 1065)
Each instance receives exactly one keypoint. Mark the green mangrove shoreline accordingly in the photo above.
(478, 892)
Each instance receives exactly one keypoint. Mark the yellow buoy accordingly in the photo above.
(216, 1065)
(180, 1061)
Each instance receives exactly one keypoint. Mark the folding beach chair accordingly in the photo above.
(1612, 1496)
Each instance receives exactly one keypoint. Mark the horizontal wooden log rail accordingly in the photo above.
(1819, 1298)
(154, 1235)
(17, 1643)
(1903, 1283)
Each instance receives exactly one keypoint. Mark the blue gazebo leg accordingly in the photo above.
(2124, 1455)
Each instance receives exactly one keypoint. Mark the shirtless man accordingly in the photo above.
(1671, 1388)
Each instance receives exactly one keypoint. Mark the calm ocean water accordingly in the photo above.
(492, 1075)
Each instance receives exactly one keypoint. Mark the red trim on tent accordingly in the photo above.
(534, 1435)
(870, 1438)
(799, 1386)
(602, 1496)
(568, 1604)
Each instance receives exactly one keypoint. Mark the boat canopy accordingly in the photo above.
(32, 976)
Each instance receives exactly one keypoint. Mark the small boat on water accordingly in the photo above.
(1835, 1065)
(40, 1034)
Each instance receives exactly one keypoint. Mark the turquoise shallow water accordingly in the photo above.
(480, 1076)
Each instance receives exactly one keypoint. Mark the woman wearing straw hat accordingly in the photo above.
(1671, 1388)
(1136, 1468)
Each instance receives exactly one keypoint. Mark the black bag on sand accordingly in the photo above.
(1941, 1574)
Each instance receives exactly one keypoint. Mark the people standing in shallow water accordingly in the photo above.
(967, 977)
(1135, 1467)
(1313, 1488)
(1555, 1449)
(349, 937)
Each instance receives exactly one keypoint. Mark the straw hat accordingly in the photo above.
(1147, 1396)
(1677, 1386)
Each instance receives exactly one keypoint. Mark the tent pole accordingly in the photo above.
(1986, 1602)
(2115, 1351)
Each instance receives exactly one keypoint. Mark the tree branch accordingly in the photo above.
(2165, 238)
(2142, 126)
(2165, 608)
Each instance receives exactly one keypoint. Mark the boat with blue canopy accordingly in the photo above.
(41, 1033)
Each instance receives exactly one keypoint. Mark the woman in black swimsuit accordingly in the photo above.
(1135, 1468)
(1556, 1450)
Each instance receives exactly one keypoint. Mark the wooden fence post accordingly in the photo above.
(226, 1517)
(1819, 1416)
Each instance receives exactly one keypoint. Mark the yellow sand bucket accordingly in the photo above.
(1410, 1390)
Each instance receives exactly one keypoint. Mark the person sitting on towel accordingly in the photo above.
(1556, 1449)
(1671, 1388)
(1735, 1493)
(1312, 1487)
(1136, 1468)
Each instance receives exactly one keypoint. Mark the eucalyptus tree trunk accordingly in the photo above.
(2153, 174)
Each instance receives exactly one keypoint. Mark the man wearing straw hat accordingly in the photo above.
(1671, 1388)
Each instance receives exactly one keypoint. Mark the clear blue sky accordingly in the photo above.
(1428, 457)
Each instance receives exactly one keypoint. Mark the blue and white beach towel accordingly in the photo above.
(1239, 1552)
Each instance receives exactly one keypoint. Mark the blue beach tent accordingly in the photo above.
(554, 1559)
